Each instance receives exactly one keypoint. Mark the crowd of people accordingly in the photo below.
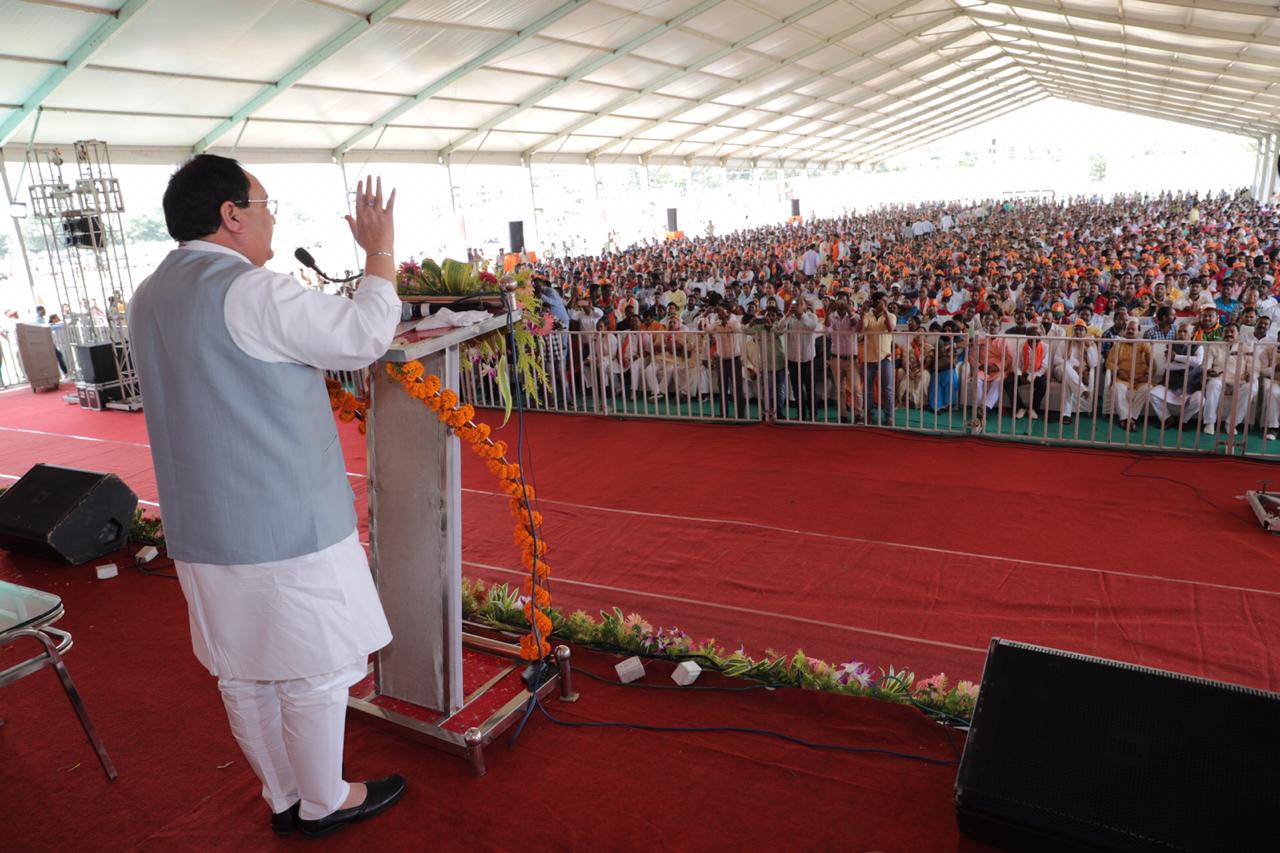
(1152, 308)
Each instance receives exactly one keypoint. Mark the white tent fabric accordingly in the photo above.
(765, 82)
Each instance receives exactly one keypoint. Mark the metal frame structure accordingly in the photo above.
(710, 82)
(83, 230)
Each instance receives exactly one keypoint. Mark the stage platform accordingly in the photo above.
(880, 547)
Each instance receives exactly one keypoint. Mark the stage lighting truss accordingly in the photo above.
(81, 222)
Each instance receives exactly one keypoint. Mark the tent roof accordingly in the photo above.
(667, 81)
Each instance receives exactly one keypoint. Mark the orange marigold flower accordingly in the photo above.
(499, 449)
(414, 370)
(417, 391)
(467, 411)
(346, 417)
(530, 649)
(495, 467)
(484, 429)
(450, 398)
(432, 384)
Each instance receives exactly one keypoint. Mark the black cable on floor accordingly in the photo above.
(833, 747)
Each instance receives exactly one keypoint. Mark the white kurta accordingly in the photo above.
(316, 613)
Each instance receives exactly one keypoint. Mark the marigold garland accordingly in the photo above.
(413, 377)
(347, 405)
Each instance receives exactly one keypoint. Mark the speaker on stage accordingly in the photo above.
(795, 207)
(66, 514)
(97, 363)
(671, 220)
(1068, 752)
(515, 235)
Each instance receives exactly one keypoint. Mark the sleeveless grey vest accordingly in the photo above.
(246, 452)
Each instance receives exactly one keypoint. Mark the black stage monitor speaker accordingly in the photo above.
(671, 220)
(515, 233)
(86, 231)
(97, 364)
(1069, 752)
(66, 514)
(795, 207)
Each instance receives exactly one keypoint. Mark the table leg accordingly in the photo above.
(73, 695)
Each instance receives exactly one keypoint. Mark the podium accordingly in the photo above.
(438, 680)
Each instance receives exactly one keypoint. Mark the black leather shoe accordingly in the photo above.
(285, 822)
(379, 794)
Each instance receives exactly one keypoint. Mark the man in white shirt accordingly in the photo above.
(282, 606)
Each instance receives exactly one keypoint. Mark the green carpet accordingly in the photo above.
(1103, 432)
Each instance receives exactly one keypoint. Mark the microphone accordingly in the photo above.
(304, 257)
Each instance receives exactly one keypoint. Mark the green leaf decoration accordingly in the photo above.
(504, 388)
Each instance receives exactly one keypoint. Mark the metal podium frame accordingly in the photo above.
(415, 523)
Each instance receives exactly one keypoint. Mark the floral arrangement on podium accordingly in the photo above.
(488, 356)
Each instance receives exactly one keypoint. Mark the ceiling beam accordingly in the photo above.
(1207, 90)
(1085, 96)
(1246, 9)
(961, 96)
(1155, 101)
(966, 103)
(751, 78)
(461, 71)
(1158, 99)
(1131, 20)
(1129, 41)
(582, 71)
(990, 115)
(1150, 67)
(861, 84)
(78, 57)
(947, 98)
(974, 113)
(668, 79)
(906, 95)
(976, 102)
(328, 49)
(1147, 106)
(1183, 62)
(864, 56)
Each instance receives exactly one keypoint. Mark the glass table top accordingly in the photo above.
(21, 606)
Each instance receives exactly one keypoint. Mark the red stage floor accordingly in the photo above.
(867, 545)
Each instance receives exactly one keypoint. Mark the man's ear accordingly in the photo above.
(230, 216)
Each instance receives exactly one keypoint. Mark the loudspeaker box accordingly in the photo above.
(515, 233)
(66, 514)
(671, 220)
(1068, 752)
(795, 207)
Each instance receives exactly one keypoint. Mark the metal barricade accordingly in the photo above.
(1060, 388)
(354, 381)
(11, 370)
(672, 374)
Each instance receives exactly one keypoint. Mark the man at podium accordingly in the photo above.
(258, 512)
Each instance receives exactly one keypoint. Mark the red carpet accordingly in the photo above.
(886, 548)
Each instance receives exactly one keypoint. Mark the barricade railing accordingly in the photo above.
(1168, 395)
(354, 381)
(11, 370)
